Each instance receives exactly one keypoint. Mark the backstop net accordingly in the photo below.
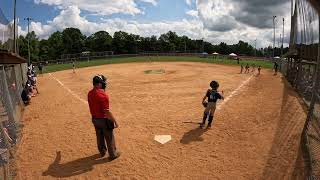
(6, 33)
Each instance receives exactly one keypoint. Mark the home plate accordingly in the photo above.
(162, 138)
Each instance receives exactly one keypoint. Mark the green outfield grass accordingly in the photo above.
(81, 64)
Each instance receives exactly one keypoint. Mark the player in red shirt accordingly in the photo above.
(102, 118)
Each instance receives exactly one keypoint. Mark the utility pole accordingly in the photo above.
(279, 41)
(14, 26)
(282, 38)
(255, 48)
(28, 19)
(274, 36)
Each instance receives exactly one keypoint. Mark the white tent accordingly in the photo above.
(277, 57)
(215, 53)
(233, 55)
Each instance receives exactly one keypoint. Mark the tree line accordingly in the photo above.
(71, 41)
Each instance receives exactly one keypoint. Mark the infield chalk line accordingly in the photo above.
(233, 93)
(69, 90)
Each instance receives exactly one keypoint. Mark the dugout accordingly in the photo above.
(13, 75)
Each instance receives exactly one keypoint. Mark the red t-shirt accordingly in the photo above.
(98, 102)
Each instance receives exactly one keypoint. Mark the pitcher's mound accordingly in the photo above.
(155, 71)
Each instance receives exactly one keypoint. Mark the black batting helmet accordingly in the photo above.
(214, 84)
(100, 79)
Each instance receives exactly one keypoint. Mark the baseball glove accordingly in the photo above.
(204, 104)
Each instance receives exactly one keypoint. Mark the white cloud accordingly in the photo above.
(192, 13)
(70, 17)
(214, 21)
(215, 15)
(100, 7)
(153, 2)
(189, 2)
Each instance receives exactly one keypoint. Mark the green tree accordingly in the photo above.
(243, 48)
(22, 43)
(73, 41)
(55, 45)
(34, 46)
(43, 50)
(224, 48)
(99, 41)
(119, 42)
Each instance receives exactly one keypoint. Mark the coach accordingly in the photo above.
(102, 119)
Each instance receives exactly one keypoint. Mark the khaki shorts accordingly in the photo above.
(211, 108)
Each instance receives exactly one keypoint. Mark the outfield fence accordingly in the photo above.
(12, 79)
(101, 55)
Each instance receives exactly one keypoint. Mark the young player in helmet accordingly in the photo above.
(213, 96)
(74, 66)
(241, 71)
(259, 70)
(247, 69)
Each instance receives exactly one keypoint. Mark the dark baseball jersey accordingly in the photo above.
(213, 95)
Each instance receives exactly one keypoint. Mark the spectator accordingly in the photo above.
(275, 67)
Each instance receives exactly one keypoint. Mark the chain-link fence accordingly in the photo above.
(304, 77)
(12, 79)
(303, 72)
(6, 33)
(311, 133)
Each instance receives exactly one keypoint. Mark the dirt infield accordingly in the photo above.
(255, 135)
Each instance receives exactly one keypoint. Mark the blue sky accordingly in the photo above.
(43, 12)
(214, 20)
(27, 8)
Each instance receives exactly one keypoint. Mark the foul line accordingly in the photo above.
(235, 92)
(69, 90)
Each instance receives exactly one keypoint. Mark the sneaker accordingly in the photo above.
(116, 157)
(209, 127)
(102, 154)
(201, 125)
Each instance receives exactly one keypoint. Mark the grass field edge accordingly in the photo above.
(143, 59)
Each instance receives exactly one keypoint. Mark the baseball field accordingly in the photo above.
(255, 134)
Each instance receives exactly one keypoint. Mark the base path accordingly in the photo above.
(255, 134)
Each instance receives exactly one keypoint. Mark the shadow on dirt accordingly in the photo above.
(286, 133)
(73, 168)
(300, 169)
(193, 135)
